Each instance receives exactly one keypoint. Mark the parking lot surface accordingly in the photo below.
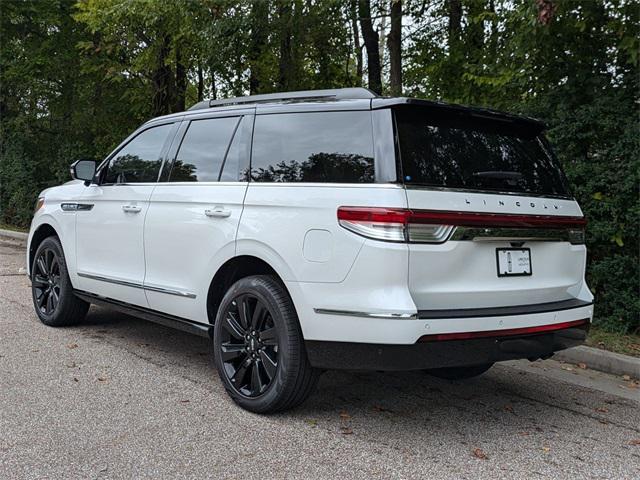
(121, 398)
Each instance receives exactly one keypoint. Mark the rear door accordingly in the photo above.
(109, 230)
(191, 225)
(513, 233)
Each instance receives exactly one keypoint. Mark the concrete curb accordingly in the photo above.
(17, 237)
(601, 360)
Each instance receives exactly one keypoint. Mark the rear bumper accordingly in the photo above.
(435, 353)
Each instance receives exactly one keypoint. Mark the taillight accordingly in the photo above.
(435, 226)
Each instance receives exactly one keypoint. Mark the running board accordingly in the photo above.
(189, 326)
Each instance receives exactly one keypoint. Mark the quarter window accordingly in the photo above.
(203, 149)
(313, 147)
(139, 160)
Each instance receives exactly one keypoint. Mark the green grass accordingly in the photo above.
(614, 342)
(4, 226)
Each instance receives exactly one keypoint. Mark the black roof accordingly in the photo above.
(362, 94)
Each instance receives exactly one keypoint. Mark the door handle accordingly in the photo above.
(217, 212)
(131, 208)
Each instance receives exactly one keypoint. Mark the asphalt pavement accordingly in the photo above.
(122, 398)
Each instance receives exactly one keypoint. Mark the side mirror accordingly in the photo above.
(83, 170)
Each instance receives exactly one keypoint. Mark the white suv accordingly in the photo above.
(324, 229)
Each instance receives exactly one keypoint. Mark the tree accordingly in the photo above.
(372, 44)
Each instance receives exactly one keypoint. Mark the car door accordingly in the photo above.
(193, 216)
(109, 243)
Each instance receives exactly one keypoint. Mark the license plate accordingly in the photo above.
(513, 261)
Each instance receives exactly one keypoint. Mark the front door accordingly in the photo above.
(109, 230)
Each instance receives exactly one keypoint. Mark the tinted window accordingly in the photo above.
(203, 149)
(313, 147)
(139, 160)
(462, 151)
(237, 162)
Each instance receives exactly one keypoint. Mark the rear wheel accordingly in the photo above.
(259, 349)
(51, 289)
(460, 373)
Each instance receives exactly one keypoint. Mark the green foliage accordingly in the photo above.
(77, 76)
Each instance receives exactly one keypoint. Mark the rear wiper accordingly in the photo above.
(499, 175)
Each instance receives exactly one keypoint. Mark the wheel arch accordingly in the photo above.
(44, 230)
(231, 271)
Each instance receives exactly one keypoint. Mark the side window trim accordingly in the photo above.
(181, 131)
(163, 151)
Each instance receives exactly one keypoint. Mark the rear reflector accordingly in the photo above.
(440, 337)
(435, 226)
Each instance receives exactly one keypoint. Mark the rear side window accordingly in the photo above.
(461, 151)
(203, 149)
(313, 147)
(139, 160)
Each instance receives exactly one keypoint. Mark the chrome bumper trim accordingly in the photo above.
(350, 313)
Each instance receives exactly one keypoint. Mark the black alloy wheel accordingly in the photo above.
(46, 281)
(53, 299)
(259, 348)
(249, 345)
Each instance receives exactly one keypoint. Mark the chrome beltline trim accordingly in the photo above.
(502, 234)
(151, 288)
(350, 313)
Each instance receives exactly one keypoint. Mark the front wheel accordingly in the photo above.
(460, 373)
(259, 349)
(51, 288)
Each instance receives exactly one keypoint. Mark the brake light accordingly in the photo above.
(436, 226)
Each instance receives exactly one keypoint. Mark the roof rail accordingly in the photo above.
(334, 94)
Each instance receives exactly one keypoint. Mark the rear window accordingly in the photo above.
(462, 151)
(313, 147)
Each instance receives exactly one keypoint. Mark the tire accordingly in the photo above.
(51, 289)
(459, 373)
(260, 355)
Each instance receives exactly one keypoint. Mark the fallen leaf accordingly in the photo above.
(102, 379)
(346, 431)
(635, 442)
(626, 378)
(378, 408)
(479, 453)
(567, 368)
(546, 449)
(602, 410)
(633, 385)
(344, 415)
(313, 423)
(71, 346)
(583, 366)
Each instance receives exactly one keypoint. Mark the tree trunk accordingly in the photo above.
(181, 83)
(285, 62)
(372, 44)
(200, 82)
(356, 40)
(161, 79)
(455, 25)
(394, 43)
(258, 40)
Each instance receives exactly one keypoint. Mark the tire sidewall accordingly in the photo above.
(261, 287)
(52, 243)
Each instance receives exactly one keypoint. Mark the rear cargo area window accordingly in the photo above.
(313, 147)
(462, 151)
